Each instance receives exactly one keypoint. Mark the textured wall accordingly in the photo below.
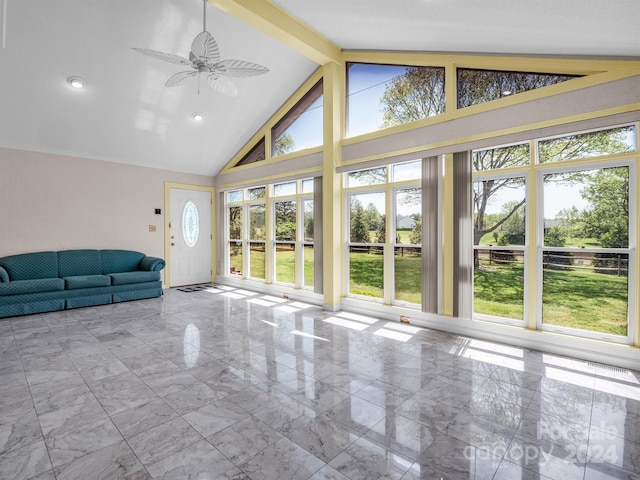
(52, 202)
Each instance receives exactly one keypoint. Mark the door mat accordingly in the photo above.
(196, 288)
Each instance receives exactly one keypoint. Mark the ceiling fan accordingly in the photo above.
(204, 59)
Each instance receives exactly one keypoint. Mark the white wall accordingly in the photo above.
(52, 202)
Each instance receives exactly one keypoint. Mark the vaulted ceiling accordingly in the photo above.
(126, 114)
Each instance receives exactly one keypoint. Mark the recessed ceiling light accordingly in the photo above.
(76, 82)
(198, 117)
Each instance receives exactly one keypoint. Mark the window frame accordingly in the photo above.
(575, 166)
(389, 189)
(513, 172)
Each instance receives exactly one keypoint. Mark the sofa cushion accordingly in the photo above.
(73, 263)
(152, 264)
(133, 277)
(31, 286)
(4, 276)
(118, 261)
(87, 281)
(29, 266)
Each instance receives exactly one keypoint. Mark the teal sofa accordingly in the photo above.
(50, 281)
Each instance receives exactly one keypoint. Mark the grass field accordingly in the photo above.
(575, 299)
(285, 265)
(578, 299)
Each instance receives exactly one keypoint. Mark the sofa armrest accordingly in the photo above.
(151, 264)
(4, 276)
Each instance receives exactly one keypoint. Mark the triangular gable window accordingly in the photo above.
(256, 154)
(479, 86)
(302, 126)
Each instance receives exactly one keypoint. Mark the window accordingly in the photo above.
(367, 238)
(586, 145)
(376, 234)
(499, 236)
(583, 233)
(190, 224)
(256, 154)
(375, 176)
(585, 259)
(308, 257)
(285, 245)
(501, 157)
(302, 126)
(257, 238)
(407, 245)
(270, 233)
(284, 189)
(381, 96)
(479, 86)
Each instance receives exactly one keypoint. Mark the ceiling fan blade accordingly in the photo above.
(204, 45)
(223, 85)
(240, 68)
(167, 57)
(179, 77)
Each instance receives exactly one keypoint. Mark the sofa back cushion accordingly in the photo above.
(29, 266)
(119, 261)
(72, 263)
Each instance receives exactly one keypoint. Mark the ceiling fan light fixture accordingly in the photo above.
(197, 117)
(205, 62)
(76, 83)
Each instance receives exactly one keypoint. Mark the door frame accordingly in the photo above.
(167, 241)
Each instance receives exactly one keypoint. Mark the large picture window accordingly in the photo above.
(270, 233)
(585, 255)
(376, 234)
(382, 96)
(584, 192)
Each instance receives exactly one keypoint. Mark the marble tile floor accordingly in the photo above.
(226, 383)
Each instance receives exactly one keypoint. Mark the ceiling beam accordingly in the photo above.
(275, 22)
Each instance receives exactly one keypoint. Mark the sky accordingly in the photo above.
(367, 83)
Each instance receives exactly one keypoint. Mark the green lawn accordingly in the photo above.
(499, 290)
(285, 264)
(366, 274)
(577, 299)
(585, 300)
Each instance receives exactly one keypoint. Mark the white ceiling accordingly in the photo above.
(566, 27)
(127, 115)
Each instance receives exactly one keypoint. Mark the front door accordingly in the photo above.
(190, 237)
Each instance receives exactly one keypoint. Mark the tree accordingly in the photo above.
(235, 223)
(308, 226)
(415, 237)
(607, 218)
(555, 237)
(372, 217)
(359, 229)
(285, 221)
(513, 228)
(283, 144)
(495, 159)
(381, 230)
(418, 93)
(478, 86)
